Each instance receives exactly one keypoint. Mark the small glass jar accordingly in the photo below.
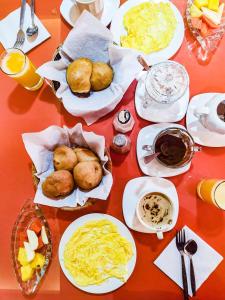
(165, 83)
(123, 121)
(121, 143)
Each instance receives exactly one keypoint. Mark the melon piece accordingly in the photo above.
(204, 29)
(201, 3)
(195, 12)
(196, 23)
(22, 256)
(214, 5)
(38, 261)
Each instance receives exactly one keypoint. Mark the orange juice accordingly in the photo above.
(212, 191)
(17, 65)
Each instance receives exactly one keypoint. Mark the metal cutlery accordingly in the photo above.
(190, 249)
(32, 30)
(20, 34)
(180, 244)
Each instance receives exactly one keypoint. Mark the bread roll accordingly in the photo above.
(58, 184)
(84, 154)
(101, 77)
(88, 174)
(78, 76)
(64, 158)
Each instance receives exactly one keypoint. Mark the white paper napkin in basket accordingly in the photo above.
(205, 261)
(40, 147)
(91, 39)
(9, 27)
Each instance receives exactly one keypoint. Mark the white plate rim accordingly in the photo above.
(171, 172)
(157, 56)
(67, 4)
(112, 283)
(137, 181)
(203, 98)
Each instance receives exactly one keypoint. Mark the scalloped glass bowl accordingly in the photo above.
(28, 213)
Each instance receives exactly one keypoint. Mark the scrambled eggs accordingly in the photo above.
(150, 27)
(97, 251)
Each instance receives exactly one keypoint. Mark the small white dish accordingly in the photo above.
(70, 12)
(135, 189)
(157, 112)
(201, 134)
(110, 284)
(146, 136)
(117, 29)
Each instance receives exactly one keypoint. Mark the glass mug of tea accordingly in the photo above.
(165, 83)
(155, 212)
(173, 147)
(95, 7)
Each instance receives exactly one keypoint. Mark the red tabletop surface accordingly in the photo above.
(22, 111)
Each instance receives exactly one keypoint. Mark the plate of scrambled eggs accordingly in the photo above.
(154, 28)
(97, 253)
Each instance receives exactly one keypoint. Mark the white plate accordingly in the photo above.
(118, 30)
(135, 189)
(110, 284)
(146, 136)
(201, 134)
(157, 112)
(70, 12)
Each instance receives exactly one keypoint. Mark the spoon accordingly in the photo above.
(32, 30)
(190, 249)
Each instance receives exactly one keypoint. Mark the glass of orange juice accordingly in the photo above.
(212, 191)
(17, 65)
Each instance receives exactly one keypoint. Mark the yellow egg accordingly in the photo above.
(150, 27)
(96, 252)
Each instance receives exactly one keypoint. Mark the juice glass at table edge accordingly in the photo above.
(95, 7)
(212, 191)
(15, 64)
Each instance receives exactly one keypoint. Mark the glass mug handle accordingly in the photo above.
(148, 148)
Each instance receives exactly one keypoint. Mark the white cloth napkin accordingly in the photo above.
(205, 261)
(91, 39)
(9, 27)
(40, 147)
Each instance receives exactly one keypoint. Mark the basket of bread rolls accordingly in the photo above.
(71, 168)
(84, 76)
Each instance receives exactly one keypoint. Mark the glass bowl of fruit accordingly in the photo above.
(31, 247)
(206, 21)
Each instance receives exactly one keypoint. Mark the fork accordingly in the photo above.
(180, 243)
(20, 34)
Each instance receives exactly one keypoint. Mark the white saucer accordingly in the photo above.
(135, 189)
(117, 29)
(111, 283)
(201, 134)
(157, 112)
(70, 12)
(146, 136)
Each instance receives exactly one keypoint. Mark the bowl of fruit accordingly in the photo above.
(206, 21)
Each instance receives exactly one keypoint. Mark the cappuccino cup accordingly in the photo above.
(155, 211)
(95, 7)
(212, 114)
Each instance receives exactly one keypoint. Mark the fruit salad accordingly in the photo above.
(206, 15)
(31, 244)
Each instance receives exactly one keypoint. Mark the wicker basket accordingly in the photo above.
(90, 201)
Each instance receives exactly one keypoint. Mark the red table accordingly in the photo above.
(23, 111)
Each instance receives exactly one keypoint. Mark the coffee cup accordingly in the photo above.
(155, 211)
(95, 7)
(173, 147)
(212, 114)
